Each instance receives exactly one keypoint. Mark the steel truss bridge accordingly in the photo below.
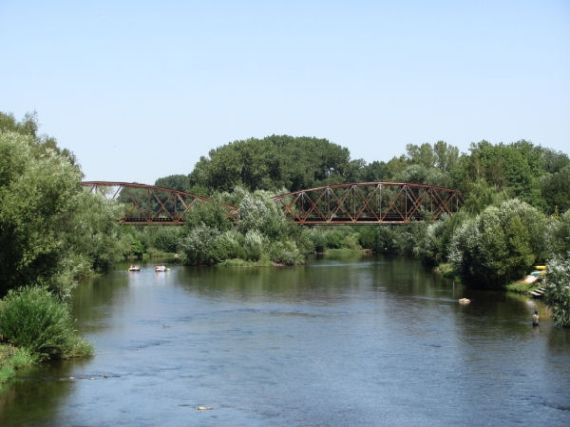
(147, 204)
(364, 203)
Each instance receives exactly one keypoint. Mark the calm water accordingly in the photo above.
(371, 342)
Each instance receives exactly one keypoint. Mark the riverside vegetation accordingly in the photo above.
(53, 233)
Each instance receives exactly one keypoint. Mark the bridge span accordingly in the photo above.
(147, 204)
(360, 203)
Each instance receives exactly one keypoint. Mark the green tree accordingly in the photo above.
(433, 249)
(28, 126)
(557, 294)
(200, 246)
(556, 190)
(50, 228)
(37, 206)
(174, 182)
(258, 211)
(515, 168)
(480, 195)
(213, 213)
(272, 163)
(500, 244)
(559, 235)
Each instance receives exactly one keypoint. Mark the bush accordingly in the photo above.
(228, 245)
(32, 318)
(433, 249)
(166, 238)
(386, 241)
(199, 246)
(253, 245)
(304, 241)
(286, 253)
(500, 245)
(12, 359)
(212, 213)
(334, 239)
(409, 237)
(350, 241)
(557, 293)
(259, 212)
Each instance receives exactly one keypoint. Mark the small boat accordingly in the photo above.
(134, 268)
(160, 268)
(537, 293)
(464, 301)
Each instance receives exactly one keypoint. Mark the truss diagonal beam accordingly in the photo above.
(369, 203)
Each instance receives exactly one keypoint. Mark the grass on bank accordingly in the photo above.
(345, 253)
(11, 360)
(519, 287)
(34, 320)
(446, 270)
(238, 262)
(156, 255)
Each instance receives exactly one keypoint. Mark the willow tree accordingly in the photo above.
(51, 230)
(499, 245)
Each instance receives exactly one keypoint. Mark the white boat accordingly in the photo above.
(160, 268)
(134, 268)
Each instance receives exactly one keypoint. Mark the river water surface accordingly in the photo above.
(335, 343)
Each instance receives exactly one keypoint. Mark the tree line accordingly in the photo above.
(534, 174)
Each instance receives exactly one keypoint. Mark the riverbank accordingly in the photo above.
(36, 326)
(13, 359)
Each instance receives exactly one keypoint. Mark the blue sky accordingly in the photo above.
(142, 89)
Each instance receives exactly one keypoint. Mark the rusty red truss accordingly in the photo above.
(369, 203)
(147, 204)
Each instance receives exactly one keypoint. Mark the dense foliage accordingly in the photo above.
(51, 230)
(559, 235)
(257, 231)
(488, 174)
(557, 293)
(274, 162)
(500, 244)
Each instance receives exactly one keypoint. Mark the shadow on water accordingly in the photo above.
(303, 283)
(36, 396)
(94, 300)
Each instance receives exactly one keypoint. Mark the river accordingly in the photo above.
(334, 343)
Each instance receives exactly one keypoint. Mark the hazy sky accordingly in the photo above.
(142, 89)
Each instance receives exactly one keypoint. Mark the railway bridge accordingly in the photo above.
(364, 203)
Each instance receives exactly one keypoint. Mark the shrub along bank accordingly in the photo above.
(33, 319)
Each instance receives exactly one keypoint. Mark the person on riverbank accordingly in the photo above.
(535, 318)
